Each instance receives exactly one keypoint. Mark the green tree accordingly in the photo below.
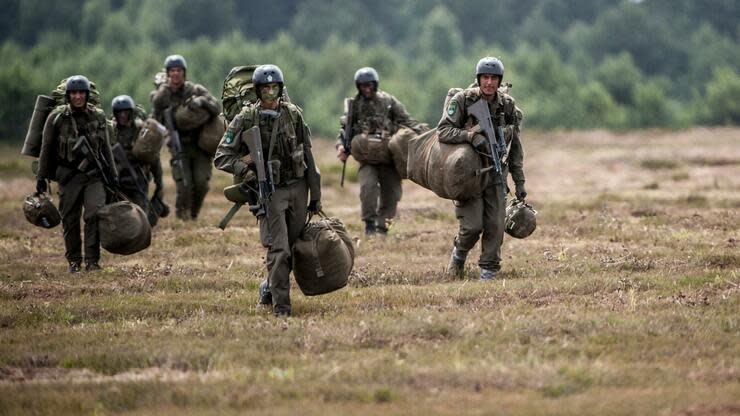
(723, 98)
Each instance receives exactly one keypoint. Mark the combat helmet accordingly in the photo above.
(122, 102)
(175, 61)
(521, 219)
(489, 65)
(267, 74)
(367, 74)
(40, 211)
(77, 83)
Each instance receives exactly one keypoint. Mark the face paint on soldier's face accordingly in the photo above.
(77, 98)
(489, 84)
(269, 92)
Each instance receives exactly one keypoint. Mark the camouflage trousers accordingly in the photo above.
(482, 218)
(80, 192)
(196, 167)
(380, 191)
(286, 213)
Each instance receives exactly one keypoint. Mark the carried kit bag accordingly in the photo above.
(124, 228)
(41, 111)
(323, 256)
(149, 143)
(211, 134)
(399, 148)
(452, 171)
(190, 116)
(40, 211)
(371, 149)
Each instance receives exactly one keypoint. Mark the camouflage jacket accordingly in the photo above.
(61, 133)
(381, 114)
(164, 97)
(291, 149)
(456, 124)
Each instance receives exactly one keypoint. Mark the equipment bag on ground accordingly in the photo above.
(40, 211)
(399, 148)
(452, 171)
(124, 228)
(323, 256)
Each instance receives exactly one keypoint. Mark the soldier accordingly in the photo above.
(286, 144)
(484, 214)
(196, 163)
(376, 113)
(127, 123)
(71, 130)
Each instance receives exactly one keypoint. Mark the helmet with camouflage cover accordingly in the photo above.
(77, 83)
(122, 102)
(489, 65)
(366, 74)
(521, 219)
(267, 74)
(175, 61)
(40, 211)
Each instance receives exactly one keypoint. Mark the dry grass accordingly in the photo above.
(626, 300)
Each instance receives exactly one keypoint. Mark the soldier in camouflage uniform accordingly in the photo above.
(80, 185)
(376, 112)
(127, 123)
(286, 144)
(197, 164)
(484, 215)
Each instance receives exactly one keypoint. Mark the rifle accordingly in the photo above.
(494, 137)
(346, 135)
(119, 155)
(175, 145)
(84, 150)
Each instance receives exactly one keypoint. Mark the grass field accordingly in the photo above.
(626, 300)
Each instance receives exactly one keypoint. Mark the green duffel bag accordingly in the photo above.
(190, 116)
(124, 228)
(211, 134)
(399, 148)
(323, 256)
(149, 143)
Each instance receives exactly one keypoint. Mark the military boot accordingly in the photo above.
(282, 312)
(265, 294)
(487, 274)
(74, 266)
(457, 263)
(92, 266)
(370, 228)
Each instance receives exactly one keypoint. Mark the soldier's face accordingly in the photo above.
(123, 117)
(269, 92)
(367, 89)
(489, 83)
(177, 76)
(77, 98)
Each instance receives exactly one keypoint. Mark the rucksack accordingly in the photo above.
(239, 91)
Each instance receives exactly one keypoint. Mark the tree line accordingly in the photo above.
(573, 63)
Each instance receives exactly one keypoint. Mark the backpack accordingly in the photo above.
(238, 91)
(60, 98)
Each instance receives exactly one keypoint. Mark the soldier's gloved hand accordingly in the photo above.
(519, 191)
(341, 153)
(41, 186)
(479, 142)
(314, 206)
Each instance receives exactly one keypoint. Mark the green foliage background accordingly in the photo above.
(574, 63)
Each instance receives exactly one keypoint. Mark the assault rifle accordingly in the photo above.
(265, 186)
(346, 135)
(138, 180)
(175, 145)
(83, 150)
(494, 136)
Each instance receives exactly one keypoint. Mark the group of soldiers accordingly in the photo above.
(287, 157)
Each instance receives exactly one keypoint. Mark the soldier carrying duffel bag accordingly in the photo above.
(323, 256)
